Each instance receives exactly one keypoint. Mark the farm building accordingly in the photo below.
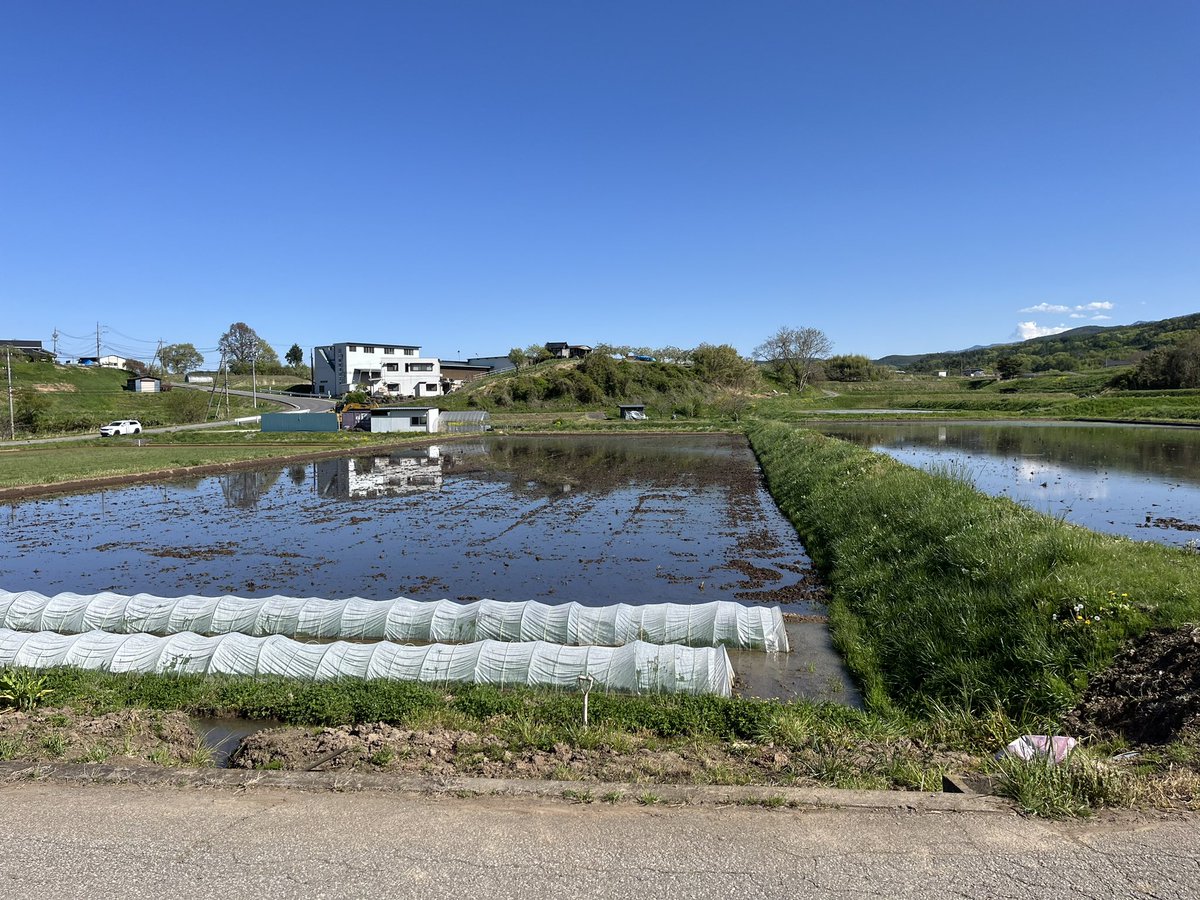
(405, 418)
(144, 384)
(563, 350)
(632, 410)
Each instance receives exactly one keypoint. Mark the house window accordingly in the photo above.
(409, 351)
(431, 387)
(368, 349)
(392, 367)
(418, 367)
(351, 347)
(388, 351)
(418, 420)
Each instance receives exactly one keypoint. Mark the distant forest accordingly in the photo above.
(1090, 347)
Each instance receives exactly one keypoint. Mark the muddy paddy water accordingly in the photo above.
(597, 519)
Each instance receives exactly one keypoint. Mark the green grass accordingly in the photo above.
(53, 399)
(1084, 396)
(943, 597)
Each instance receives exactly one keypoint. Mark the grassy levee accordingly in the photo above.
(945, 598)
(45, 465)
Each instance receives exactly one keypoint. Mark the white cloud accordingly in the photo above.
(1078, 316)
(1100, 318)
(1059, 308)
(1027, 330)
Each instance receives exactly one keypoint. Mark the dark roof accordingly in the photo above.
(24, 345)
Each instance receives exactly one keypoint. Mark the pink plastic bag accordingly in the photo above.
(1032, 746)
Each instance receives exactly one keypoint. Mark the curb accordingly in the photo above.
(765, 796)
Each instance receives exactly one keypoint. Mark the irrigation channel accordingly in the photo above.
(1141, 482)
(598, 520)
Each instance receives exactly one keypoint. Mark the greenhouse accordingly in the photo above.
(637, 667)
(718, 623)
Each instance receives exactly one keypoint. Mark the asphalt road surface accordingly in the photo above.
(63, 840)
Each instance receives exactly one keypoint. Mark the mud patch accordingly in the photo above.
(165, 738)
(1149, 695)
(608, 756)
(1172, 523)
(202, 553)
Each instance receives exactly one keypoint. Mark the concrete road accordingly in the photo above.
(63, 840)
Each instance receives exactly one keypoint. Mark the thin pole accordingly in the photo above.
(254, 381)
(12, 423)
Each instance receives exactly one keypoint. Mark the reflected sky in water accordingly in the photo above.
(1140, 482)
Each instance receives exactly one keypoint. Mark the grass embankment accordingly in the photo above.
(102, 458)
(486, 731)
(598, 381)
(943, 597)
(1085, 396)
(51, 399)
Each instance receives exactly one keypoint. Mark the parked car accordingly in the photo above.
(124, 426)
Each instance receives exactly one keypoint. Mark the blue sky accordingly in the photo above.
(469, 176)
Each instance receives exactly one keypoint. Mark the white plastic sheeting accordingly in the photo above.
(637, 667)
(719, 623)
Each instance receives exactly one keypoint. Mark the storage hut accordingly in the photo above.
(144, 384)
(632, 410)
(405, 418)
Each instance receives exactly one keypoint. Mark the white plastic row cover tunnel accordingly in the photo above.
(636, 668)
(719, 623)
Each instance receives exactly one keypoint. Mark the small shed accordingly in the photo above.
(632, 410)
(144, 384)
(197, 378)
(405, 418)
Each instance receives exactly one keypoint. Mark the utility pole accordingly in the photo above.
(54, 336)
(254, 378)
(158, 356)
(97, 343)
(12, 424)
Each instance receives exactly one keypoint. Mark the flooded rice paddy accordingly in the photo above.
(597, 520)
(1142, 482)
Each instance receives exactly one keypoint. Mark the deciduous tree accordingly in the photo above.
(180, 358)
(794, 353)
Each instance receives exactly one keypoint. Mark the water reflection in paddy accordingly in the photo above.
(1142, 482)
(598, 520)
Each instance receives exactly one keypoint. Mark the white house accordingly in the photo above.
(396, 369)
(381, 369)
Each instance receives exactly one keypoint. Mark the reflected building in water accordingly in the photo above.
(368, 477)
